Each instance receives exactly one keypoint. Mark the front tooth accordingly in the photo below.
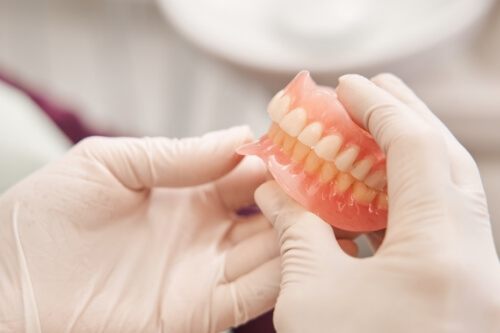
(288, 143)
(328, 171)
(361, 168)
(312, 163)
(294, 121)
(345, 159)
(343, 182)
(382, 202)
(363, 194)
(328, 147)
(311, 134)
(278, 106)
(300, 152)
(376, 180)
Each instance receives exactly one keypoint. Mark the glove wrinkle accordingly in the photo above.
(239, 308)
(32, 320)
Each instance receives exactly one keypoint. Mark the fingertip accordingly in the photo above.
(221, 146)
(400, 90)
(232, 137)
(347, 78)
(264, 191)
(244, 131)
(355, 92)
(237, 188)
(386, 77)
(266, 197)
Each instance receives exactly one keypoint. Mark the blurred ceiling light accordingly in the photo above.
(321, 35)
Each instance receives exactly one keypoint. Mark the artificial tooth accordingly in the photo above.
(272, 131)
(361, 168)
(328, 171)
(288, 143)
(300, 152)
(362, 193)
(376, 180)
(343, 182)
(311, 134)
(278, 106)
(294, 121)
(344, 160)
(382, 202)
(312, 163)
(328, 147)
(279, 137)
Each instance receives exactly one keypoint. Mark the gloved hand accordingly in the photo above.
(137, 235)
(435, 271)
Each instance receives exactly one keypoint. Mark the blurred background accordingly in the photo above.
(183, 67)
(72, 68)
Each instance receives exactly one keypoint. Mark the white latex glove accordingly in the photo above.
(436, 270)
(137, 235)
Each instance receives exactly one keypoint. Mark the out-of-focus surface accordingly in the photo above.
(28, 139)
(125, 68)
(320, 35)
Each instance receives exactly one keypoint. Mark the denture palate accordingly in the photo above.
(326, 156)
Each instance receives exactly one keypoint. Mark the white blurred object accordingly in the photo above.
(28, 139)
(320, 35)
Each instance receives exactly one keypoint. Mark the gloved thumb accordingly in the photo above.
(302, 235)
(152, 162)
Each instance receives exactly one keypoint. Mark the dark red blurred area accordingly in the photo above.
(63, 116)
(263, 324)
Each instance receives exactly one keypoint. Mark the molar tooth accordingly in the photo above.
(311, 134)
(312, 163)
(272, 131)
(346, 157)
(363, 194)
(278, 106)
(288, 144)
(343, 182)
(294, 121)
(279, 137)
(382, 202)
(328, 147)
(300, 152)
(361, 168)
(328, 171)
(376, 180)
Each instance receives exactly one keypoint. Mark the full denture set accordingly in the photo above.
(321, 158)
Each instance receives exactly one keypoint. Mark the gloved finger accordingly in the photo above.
(251, 253)
(248, 296)
(298, 229)
(243, 228)
(464, 170)
(417, 161)
(236, 188)
(148, 162)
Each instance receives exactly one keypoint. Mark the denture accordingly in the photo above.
(323, 159)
